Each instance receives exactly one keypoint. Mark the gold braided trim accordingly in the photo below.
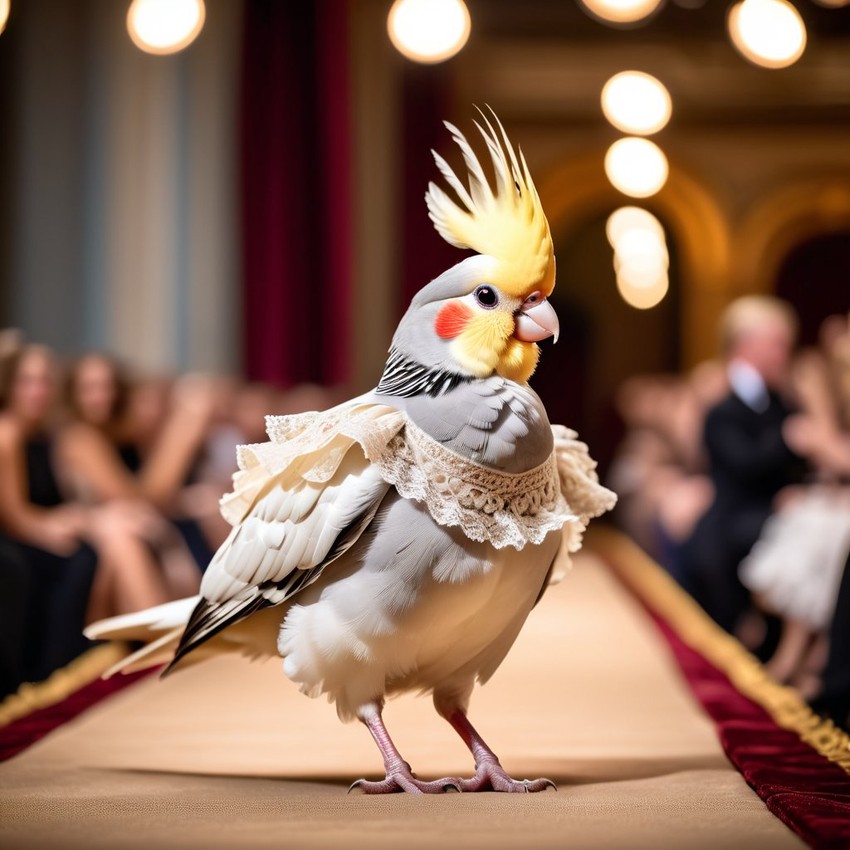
(652, 585)
(61, 683)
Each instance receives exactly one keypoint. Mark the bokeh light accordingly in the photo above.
(621, 11)
(165, 26)
(643, 298)
(637, 103)
(641, 259)
(636, 167)
(4, 14)
(626, 219)
(769, 33)
(429, 31)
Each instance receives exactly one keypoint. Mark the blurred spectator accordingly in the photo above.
(46, 571)
(795, 568)
(659, 471)
(829, 447)
(749, 459)
(102, 489)
(101, 455)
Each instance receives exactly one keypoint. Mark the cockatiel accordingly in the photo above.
(398, 542)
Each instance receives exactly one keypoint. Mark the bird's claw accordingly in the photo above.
(491, 776)
(402, 781)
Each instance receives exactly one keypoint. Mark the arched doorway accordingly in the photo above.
(815, 278)
(603, 340)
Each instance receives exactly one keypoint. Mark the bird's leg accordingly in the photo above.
(399, 776)
(489, 773)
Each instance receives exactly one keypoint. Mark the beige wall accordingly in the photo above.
(123, 200)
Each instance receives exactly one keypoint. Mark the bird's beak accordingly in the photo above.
(535, 322)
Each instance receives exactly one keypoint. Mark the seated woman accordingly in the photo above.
(102, 454)
(53, 551)
(795, 569)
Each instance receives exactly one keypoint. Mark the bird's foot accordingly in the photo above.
(402, 779)
(491, 776)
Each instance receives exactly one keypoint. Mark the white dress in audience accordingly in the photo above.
(796, 566)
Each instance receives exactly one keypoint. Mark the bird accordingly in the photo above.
(397, 542)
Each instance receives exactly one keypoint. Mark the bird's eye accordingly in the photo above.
(486, 296)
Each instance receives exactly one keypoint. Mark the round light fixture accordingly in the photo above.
(641, 258)
(621, 11)
(636, 103)
(641, 249)
(769, 33)
(643, 297)
(165, 26)
(626, 219)
(636, 167)
(429, 31)
(4, 14)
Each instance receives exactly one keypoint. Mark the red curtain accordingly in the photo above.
(427, 96)
(296, 176)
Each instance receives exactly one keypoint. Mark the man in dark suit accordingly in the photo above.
(749, 460)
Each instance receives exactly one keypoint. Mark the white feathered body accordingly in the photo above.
(435, 620)
(360, 590)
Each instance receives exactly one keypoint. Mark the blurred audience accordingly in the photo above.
(46, 568)
(805, 580)
(660, 472)
(104, 464)
(107, 490)
(795, 568)
(737, 479)
(749, 461)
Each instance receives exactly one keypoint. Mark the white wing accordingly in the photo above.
(293, 530)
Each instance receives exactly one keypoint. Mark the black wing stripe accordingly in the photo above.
(210, 618)
(405, 378)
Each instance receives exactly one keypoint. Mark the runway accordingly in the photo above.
(228, 754)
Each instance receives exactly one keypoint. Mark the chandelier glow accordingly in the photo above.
(769, 33)
(429, 31)
(641, 259)
(636, 103)
(636, 167)
(621, 11)
(165, 26)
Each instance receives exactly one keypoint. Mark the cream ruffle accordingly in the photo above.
(501, 508)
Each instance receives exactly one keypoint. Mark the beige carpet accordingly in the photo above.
(230, 755)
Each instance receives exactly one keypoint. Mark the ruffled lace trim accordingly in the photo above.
(497, 507)
(500, 508)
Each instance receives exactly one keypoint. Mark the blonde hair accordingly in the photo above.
(750, 313)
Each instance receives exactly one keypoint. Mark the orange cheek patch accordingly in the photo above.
(452, 319)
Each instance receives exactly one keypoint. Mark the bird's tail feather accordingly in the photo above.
(158, 628)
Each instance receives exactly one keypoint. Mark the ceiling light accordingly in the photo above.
(769, 33)
(429, 31)
(643, 297)
(636, 167)
(637, 103)
(621, 11)
(165, 26)
(625, 219)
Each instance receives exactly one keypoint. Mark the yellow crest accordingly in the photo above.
(507, 224)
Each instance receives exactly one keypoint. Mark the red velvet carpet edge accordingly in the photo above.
(23, 732)
(802, 787)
